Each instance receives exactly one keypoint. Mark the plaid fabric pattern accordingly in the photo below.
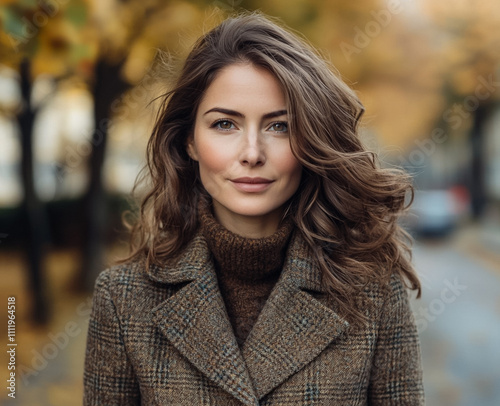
(161, 336)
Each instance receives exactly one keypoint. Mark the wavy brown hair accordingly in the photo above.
(346, 207)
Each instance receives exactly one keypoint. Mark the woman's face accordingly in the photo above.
(241, 142)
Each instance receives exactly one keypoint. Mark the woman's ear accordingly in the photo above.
(191, 149)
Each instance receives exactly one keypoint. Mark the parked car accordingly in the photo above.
(437, 212)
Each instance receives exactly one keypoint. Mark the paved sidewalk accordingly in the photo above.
(49, 362)
(482, 241)
(459, 316)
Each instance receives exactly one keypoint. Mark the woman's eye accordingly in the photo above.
(224, 125)
(279, 127)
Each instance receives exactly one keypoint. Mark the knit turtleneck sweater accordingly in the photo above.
(247, 268)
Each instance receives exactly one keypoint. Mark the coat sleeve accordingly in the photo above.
(396, 375)
(109, 378)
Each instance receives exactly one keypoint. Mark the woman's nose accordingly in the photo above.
(253, 149)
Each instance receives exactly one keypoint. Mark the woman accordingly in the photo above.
(267, 267)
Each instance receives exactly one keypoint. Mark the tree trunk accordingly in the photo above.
(108, 86)
(35, 221)
(477, 180)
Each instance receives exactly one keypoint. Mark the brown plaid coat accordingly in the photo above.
(162, 337)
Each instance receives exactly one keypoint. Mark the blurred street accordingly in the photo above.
(459, 317)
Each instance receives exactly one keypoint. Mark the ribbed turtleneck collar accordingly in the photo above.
(247, 259)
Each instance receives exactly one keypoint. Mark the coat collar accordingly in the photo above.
(299, 268)
(292, 329)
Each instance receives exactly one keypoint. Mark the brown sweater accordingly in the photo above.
(247, 269)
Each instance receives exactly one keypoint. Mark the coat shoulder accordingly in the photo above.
(129, 287)
(118, 277)
(377, 297)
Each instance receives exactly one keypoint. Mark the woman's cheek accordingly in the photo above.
(287, 162)
(212, 163)
(213, 157)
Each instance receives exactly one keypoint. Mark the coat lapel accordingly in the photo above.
(293, 327)
(196, 323)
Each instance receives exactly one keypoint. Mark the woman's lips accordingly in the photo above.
(248, 184)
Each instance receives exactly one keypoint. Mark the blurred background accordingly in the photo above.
(78, 79)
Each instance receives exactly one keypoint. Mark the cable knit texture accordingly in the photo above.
(247, 268)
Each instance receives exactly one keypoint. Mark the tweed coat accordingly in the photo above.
(161, 336)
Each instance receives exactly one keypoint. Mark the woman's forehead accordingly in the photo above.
(244, 86)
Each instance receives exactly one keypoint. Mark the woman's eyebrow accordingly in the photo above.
(275, 114)
(235, 113)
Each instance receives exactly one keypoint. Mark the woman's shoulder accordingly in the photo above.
(121, 272)
(384, 295)
(391, 285)
(129, 277)
(394, 301)
(129, 288)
